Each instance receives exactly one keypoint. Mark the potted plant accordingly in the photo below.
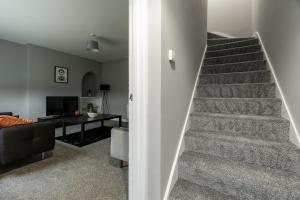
(92, 110)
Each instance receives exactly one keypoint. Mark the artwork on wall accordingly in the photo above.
(61, 74)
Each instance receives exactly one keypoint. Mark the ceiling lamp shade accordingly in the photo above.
(92, 45)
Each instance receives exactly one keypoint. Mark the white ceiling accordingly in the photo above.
(65, 25)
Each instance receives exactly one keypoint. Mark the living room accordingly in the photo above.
(64, 82)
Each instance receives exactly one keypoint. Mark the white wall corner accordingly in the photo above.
(222, 34)
(173, 177)
(294, 133)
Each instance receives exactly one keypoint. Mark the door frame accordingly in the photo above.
(138, 41)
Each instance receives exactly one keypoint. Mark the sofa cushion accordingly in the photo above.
(8, 121)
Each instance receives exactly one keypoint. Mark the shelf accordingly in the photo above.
(88, 97)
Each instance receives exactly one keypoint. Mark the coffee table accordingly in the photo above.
(83, 120)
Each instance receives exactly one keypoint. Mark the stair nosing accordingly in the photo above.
(234, 98)
(213, 135)
(230, 49)
(216, 39)
(243, 72)
(251, 61)
(237, 55)
(233, 84)
(255, 117)
(231, 42)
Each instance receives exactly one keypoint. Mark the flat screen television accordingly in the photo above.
(62, 106)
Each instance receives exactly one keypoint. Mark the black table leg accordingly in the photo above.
(82, 133)
(120, 121)
(102, 123)
(64, 131)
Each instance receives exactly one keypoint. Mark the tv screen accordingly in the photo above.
(63, 106)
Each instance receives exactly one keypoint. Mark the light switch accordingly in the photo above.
(171, 55)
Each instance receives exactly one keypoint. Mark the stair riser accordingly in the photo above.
(228, 52)
(272, 157)
(270, 107)
(234, 59)
(237, 91)
(251, 77)
(233, 45)
(249, 128)
(236, 67)
(224, 41)
(185, 190)
(235, 186)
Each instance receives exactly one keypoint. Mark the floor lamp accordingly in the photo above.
(105, 88)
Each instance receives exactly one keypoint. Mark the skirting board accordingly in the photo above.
(294, 133)
(173, 174)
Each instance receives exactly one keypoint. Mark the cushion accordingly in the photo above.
(7, 121)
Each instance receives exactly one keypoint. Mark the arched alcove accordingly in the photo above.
(89, 82)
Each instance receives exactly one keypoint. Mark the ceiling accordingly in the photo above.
(65, 25)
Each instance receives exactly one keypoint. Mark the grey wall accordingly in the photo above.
(13, 78)
(233, 17)
(278, 23)
(117, 75)
(41, 62)
(27, 77)
(184, 28)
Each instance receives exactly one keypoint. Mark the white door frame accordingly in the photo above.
(137, 107)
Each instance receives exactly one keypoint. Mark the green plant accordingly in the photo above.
(91, 108)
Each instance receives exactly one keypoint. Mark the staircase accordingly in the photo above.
(238, 145)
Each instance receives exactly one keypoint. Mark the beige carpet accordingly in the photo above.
(72, 173)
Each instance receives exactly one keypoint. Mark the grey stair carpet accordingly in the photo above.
(238, 50)
(218, 41)
(231, 45)
(238, 144)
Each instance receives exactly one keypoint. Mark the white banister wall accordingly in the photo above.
(278, 24)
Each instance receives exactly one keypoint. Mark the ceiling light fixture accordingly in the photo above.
(93, 44)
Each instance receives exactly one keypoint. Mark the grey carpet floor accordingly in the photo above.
(72, 173)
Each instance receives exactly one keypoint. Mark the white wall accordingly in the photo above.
(278, 23)
(232, 17)
(184, 28)
(116, 74)
(13, 78)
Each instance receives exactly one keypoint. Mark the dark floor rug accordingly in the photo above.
(90, 136)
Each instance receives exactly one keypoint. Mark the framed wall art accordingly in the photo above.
(61, 74)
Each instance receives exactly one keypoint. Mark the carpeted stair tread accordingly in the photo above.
(269, 128)
(217, 41)
(233, 45)
(236, 179)
(234, 58)
(185, 190)
(280, 157)
(235, 67)
(246, 90)
(262, 76)
(243, 106)
(238, 143)
(233, 51)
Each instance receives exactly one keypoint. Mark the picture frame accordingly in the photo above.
(61, 74)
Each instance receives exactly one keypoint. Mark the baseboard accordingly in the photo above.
(294, 133)
(173, 174)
